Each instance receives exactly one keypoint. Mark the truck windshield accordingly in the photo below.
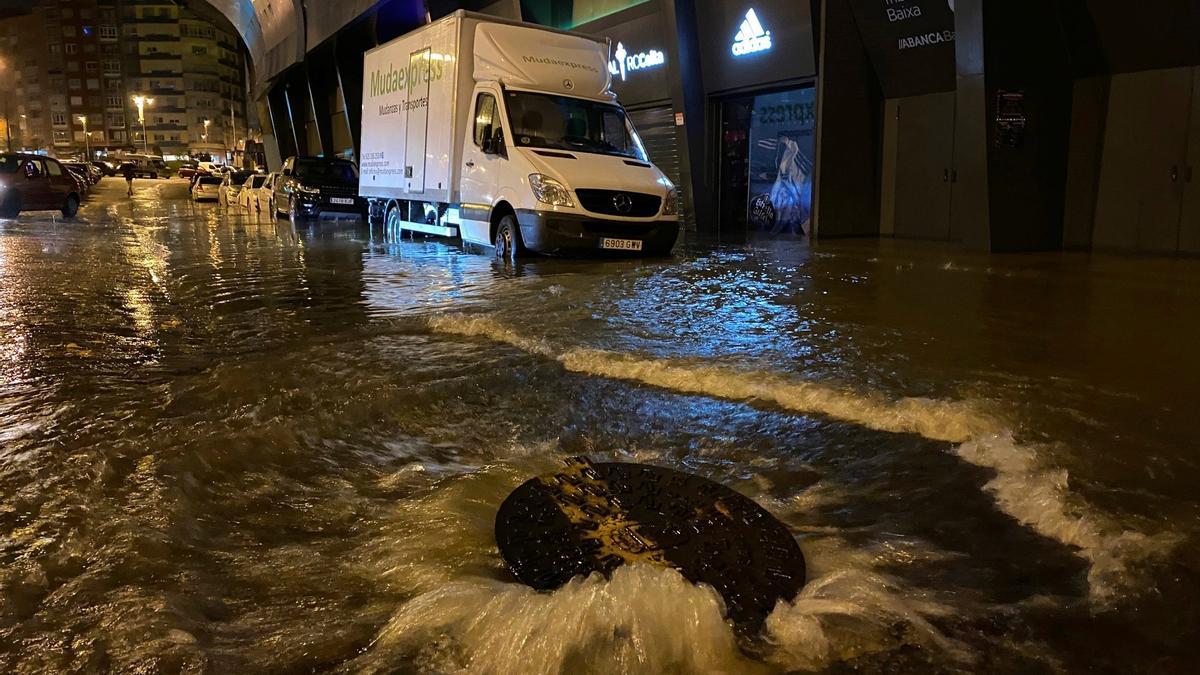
(564, 123)
(327, 171)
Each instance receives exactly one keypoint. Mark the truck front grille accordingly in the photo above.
(619, 203)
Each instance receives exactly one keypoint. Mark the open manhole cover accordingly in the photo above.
(595, 517)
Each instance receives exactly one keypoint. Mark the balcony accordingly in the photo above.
(166, 126)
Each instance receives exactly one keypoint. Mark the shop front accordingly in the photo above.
(759, 74)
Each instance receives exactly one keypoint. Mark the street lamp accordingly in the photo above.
(87, 136)
(204, 136)
(141, 102)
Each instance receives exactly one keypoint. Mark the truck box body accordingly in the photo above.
(417, 95)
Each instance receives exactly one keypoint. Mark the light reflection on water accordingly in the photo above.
(229, 442)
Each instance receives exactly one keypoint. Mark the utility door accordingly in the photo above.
(483, 164)
(1144, 167)
(924, 165)
(417, 125)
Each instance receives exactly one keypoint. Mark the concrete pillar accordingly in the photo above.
(281, 121)
(849, 125)
(688, 98)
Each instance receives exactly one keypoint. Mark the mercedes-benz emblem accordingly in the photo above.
(622, 202)
(568, 85)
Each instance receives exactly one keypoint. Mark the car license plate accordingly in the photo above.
(341, 200)
(621, 244)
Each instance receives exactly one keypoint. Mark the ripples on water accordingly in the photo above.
(228, 443)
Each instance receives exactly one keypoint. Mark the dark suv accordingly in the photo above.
(32, 182)
(310, 186)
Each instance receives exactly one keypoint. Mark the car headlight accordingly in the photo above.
(671, 203)
(549, 191)
(309, 190)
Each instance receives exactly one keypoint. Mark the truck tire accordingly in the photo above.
(70, 206)
(508, 239)
(11, 205)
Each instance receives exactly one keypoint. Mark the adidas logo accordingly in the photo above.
(751, 37)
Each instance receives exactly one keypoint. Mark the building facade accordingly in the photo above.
(71, 70)
(190, 76)
(65, 78)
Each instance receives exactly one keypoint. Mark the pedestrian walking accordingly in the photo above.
(129, 170)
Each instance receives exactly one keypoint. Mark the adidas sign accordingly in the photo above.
(751, 37)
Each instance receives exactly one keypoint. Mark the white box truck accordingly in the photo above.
(507, 135)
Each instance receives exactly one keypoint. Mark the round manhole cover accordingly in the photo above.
(595, 517)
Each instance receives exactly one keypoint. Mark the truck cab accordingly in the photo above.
(561, 174)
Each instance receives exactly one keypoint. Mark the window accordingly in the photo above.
(61, 136)
(113, 101)
(91, 67)
(72, 66)
(89, 48)
(485, 115)
(199, 51)
(54, 168)
(112, 66)
(58, 119)
(74, 83)
(76, 100)
(68, 31)
(113, 85)
(93, 83)
(55, 48)
(563, 123)
(117, 136)
(71, 48)
(115, 120)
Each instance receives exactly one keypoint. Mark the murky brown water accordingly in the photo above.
(228, 444)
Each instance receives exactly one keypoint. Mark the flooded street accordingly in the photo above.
(233, 444)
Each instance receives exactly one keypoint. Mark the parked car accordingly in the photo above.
(32, 182)
(231, 186)
(187, 169)
(310, 186)
(207, 188)
(256, 192)
(210, 167)
(90, 173)
(84, 184)
(149, 166)
(106, 168)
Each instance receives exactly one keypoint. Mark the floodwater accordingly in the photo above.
(234, 444)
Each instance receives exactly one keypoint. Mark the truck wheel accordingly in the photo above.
(508, 239)
(70, 207)
(11, 206)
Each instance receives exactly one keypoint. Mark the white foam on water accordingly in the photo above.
(1040, 498)
(939, 420)
(1025, 487)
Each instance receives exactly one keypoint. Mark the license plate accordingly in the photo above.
(341, 200)
(621, 244)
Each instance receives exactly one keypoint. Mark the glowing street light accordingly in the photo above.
(204, 136)
(141, 102)
(87, 136)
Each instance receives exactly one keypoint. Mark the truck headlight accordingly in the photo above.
(671, 203)
(549, 191)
